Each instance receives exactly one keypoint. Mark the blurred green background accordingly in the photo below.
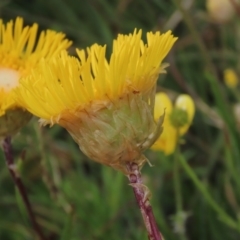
(75, 198)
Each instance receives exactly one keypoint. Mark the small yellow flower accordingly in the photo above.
(178, 118)
(107, 106)
(19, 54)
(230, 78)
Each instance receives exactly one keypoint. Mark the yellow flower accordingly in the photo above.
(230, 78)
(175, 116)
(107, 106)
(19, 54)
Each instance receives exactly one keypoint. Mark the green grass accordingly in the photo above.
(58, 176)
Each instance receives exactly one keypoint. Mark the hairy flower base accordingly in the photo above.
(114, 133)
(12, 121)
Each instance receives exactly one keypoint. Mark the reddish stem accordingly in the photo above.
(7, 148)
(141, 195)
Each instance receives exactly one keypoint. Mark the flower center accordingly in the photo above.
(8, 79)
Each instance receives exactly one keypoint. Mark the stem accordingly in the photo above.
(187, 17)
(179, 220)
(222, 214)
(177, 180)
(51, 184)
(142, 196)
(7, 148)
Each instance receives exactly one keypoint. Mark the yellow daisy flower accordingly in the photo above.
(107, 106)
(19, 54)
(180, 115)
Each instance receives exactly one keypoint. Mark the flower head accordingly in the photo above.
(230, 78)
(221, 11)
(177, 120)
(107, 106)
(20, 52)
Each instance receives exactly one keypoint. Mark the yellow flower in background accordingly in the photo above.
(177, 118)
(20, 51)
(221, 11)
(230, 78)
(166, 141)
(107, 106)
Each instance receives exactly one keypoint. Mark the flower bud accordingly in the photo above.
(220, 11)
(178, 118)
(230, 78)
(12, 121)
(185, 103)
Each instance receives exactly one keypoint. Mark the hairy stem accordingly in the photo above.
(7, 148)
(141, 193)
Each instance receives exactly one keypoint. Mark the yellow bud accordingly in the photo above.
(221, 11)
(230, 78)
(185, 103)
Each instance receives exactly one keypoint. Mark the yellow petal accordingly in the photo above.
(20, 52)
(167, 140)
(66, 83)
(162, 103)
